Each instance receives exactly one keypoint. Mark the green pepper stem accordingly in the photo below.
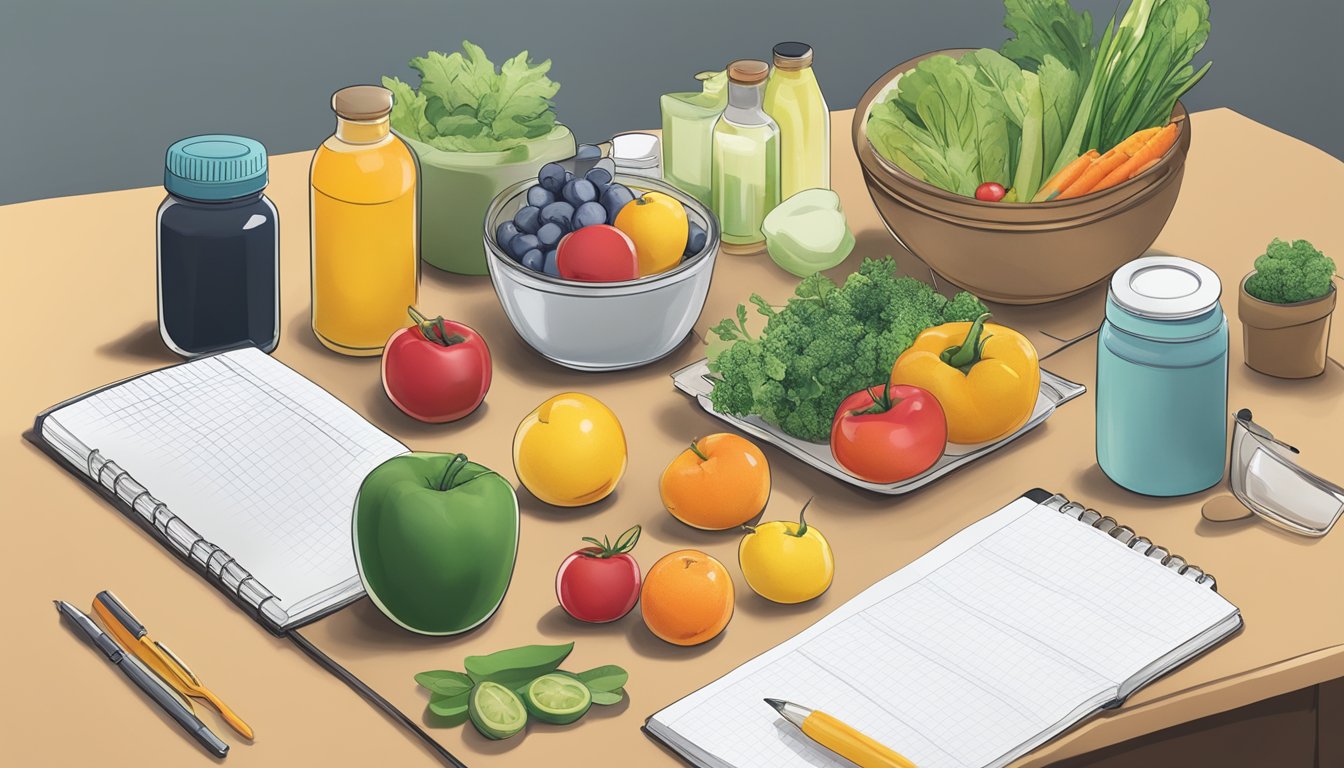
(456, 465)
(965, 355)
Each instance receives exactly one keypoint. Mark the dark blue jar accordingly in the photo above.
(218, 248)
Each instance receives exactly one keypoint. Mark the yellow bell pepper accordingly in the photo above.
(986, 377)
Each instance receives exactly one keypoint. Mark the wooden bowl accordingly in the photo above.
(1019, 253)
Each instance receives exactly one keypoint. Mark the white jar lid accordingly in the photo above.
(638, 150)
(1165, 288)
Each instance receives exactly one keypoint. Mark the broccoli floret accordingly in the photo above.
(1291, 272)
(827, 342)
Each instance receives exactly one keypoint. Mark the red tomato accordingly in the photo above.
(990, 192)
(600, 583)
(598, 253)
(888, 434)
(436, 370)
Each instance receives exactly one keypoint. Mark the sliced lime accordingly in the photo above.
(558, 698)
(496, 711)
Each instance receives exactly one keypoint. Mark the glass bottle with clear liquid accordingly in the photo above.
(366, 260)
(745, 159)
(793, 99)
(688, 132)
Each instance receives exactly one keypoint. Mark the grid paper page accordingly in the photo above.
(257, 459)
(991, 640)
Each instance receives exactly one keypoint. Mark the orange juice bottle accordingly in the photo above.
(364, 250)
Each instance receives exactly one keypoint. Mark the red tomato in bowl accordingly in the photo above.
(888, 434)
(598, 253)
(436, 370)
(600, 583)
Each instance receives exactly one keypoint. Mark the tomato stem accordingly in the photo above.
(624, 543)
(879, 406)
(695, 448)
(802, 521)
(964, 356)
(435, 330)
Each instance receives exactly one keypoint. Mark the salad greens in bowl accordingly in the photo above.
(1031, 173)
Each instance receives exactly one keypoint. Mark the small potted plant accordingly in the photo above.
(1285, 307)
(475, 130)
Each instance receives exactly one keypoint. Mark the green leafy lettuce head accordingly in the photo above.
(1291, 272)
(465, 104)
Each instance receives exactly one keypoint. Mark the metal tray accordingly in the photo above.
(694, 380)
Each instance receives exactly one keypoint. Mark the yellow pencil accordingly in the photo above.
(840, 738)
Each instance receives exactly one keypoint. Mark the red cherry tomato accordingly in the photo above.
(990, 192)
(598, 253)
(888, 434)
(436, 370)
(600, 583)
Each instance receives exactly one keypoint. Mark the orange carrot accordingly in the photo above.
(1149, 153)
(1066, 176)
(1095, 173)
(1137, 139)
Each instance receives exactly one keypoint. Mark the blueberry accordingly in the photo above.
(552, 177)
(695, 238)
(539, 197)
(569, 176)
(600, 177)
(589, 214)
(578, 192)
(550, 234)
(550, 266)
(522, 244)
(528, 219)
(606, 164)
(534, 260)
(614, 199)
(588, 152)
(558, 212)
(504, 233)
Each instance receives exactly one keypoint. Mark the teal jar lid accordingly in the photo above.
(215, 166)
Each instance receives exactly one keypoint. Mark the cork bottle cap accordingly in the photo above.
(362, 102)
(793, 55)
(748, 71)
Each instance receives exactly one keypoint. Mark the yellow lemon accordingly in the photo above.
(786, 562)
(570, 451)
(656, 223)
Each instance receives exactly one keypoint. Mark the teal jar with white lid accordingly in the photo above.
(1162, 378)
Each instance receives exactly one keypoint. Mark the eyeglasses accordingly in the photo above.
(1266, 478)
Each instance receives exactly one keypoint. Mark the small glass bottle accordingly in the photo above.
(688, 133)
(746, 160)
(218, 248)
(793, 99)
(366, 261)
(1162, 378)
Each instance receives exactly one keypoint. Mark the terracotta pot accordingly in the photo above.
(1019, 253)
(1285, 340)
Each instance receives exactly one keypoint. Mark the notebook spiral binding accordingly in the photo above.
(217, 564)
(1126, 535)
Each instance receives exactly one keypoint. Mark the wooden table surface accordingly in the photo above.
(79, 296)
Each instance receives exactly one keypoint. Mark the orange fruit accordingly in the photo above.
(720, 482)
(687, 597)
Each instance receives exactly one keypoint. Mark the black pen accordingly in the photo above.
(104, 642)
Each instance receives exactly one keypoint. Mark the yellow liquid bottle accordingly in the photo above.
(793, 99)
(366, 261)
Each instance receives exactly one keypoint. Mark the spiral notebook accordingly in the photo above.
(1001, 638)
(238, 465)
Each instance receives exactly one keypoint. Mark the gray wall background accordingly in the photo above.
(94, 91)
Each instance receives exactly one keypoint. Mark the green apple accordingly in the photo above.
(436, 537)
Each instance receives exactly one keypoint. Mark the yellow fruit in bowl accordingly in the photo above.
(657, 225)
(786, 562)
(570, 451)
